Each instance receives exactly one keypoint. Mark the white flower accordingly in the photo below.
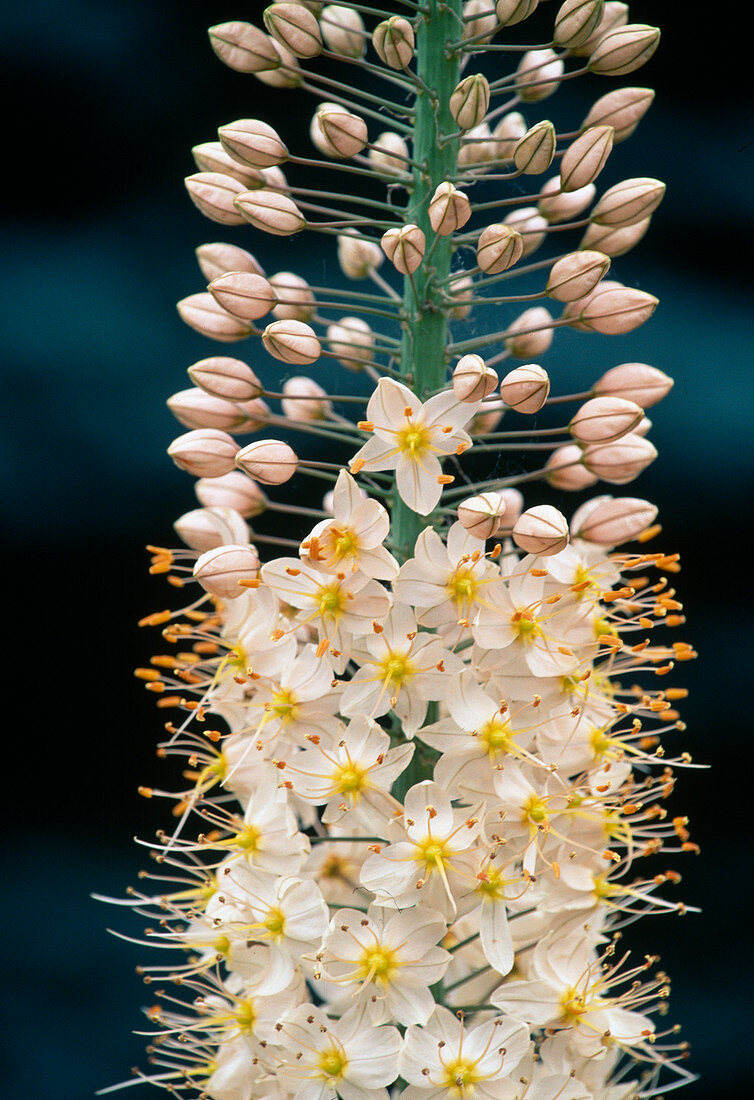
(352, 540)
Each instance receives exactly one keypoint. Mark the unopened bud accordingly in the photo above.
(622, 109)
(243, 47)
(564, 469)
(268, 460)
(482, 516)
(629, 202)
(294, 300)
(203, 314)
(477, 146)
(287, 75)
(614, 15)
(499, 247)
(556, 205)
(220, 569)
(273, 179)
(449, 208)
(525, 388)
(343, 134)
(614, 312)
(506, 135)
(480, 20)
(585, 158)
(295, 28)
(204, 528)
(624, 50)
(404, 247)
(576, 21)
(530, 334)
(253, 142)
(343, 30)
(487, 418)
(605, 419)
(514, 11)
(206, 452)
(619, 463)
(272, 212)
(388, 154)
(542, 530)
(635, 382)
(576, 275)
(214, 194)
(460, 290)
(292, 342)
(530, 224)
(218, 259)
(357, 258)
(572, 311)
(211, 157)
(538, 75)
(221, 376)
(513, 500)
(394, 42)
(615, 521)
(614, 240)
(473, 380)
(196, 409)
(351, 341)
(470, 101)
(304, 400)
(233, 490)
(535, 151)
(244, 295)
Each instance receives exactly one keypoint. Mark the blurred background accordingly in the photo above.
(105, 100)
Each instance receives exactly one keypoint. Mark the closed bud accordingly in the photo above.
(482, 516)
(388, 154)
(477, 146)
(487, 418)
(205, 528)
(635, 382)
(294, 301)
(218, 259)
(196, 409)
(605, 419)
(530, 224)
(233, 490)
(203, 314)
(572, 311)
(542, 530)
(585, 158)
(576, 21)
(643, 427)
(357, 258)
(253, 142)
(292, 342)
(244, 295)
(351, 341)
(619, 463)
(576, 275)
(480, 20)
(564, 469)
(622, 109)
(514, 11)
(404, 247)
(220, 569)
(342, 29)
(243, 47)
(206, 452)
(273, 179)
(556, 205)
(460, 289)
(614, 15)
(525, 388)
(449, 208)
(473, 380)
(614, 312)
(612, 522)
(211, 157)
(270, 461)
(513, 500)
(624, 50)
(394, 42)
(221, 376)
(287, 75)
(214, 194)
(629, 202)
(470, 101)
(295, 28)
(507, 134)
(272, 212)
(535, 151)
(614, 240)
(538, 75)
(499, 247)
(530, 334)
(304, 400)
(343, 134)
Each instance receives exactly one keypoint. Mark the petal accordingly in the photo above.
(417, 484)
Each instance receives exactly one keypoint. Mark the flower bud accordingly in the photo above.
(233, 490)
(272, 212)
(513, 500)
(612, 240)
(343, 30)
(564, 469)
(211, 157)
(470, 101)
(343, 134)
(605, 419)
(253, 142)
(525, 344)
(394, 42)
(287, 75)
(477, 146)
(449, 208)
(542, 530)
(614, 312)
(482, 516)
(509, 130)
(514, 11)
(295, 27)
(576, 275)
(404, 247)
(538, 75)
(228, 378)
(206, 452)
(643, 427)
(619, 463)
(498, 248)
(460, 289)
(388, 154)
(525, 388)
(214, 194)
(220, 569)
(218, 259)
(622, 109)
(487, 418)
(635, 382)
(576, 21)
(292, 342)
(585, 158)
(273, 179)
(572, 311)
(557, 205)
(615, 521)
(268, 460)
(530, 224)
(629, 202)
(304, 400)
(196, 409)
(205, 528)
(473, 380)
(535, 152)
(244, 295)
(294, 299)
(351, 341)
(243, 47)
(479, 20)
(614, 15)
(203, 314)
(624, 50)
(357, 258)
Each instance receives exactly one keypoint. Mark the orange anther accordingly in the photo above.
(156, 618)
(365, 425)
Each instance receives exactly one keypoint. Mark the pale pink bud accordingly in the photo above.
(514, 11)
(538, 75)
(542, 530)
(572, 311)
(576, 275)
(509, 130)
(629, 202)
(218, 259)
(228, 378)
(605, 419)
(269, 210)
(202, 313)
(205, 528)
(233, 490)
(304, 400)
(475, 148)
(394, 42)
(635, 382)
(253, 142)
(613, 312)
(482, 516)
(643, 427)
(479, 20)
(268, 460)
(576, 21)
(473, 380)
(244, 295)
(404, 247)
(220, 569)
(535, 151)
(585, 158)
(214, 195)
(344, 133)
(525, 388)
(624, 50)
(196, 409)
(449, 208)
(287, 75)
(211, 157)
(243, 47)
(357, 258)
(470, 101)
(292, 342)
(273, 179)
(294, 299)
(530, 224)
(343, 30)
(295, 28)
(564, 469)
(614, 15)
(557, 205)
(499, 247)
(619, 463)
(388, 154)
(206, 452)
(622, 109)
(513, 500)
(615, 521)
(486, 420)
(351, 341)
(523, 344)
(460, 289)
(614, 240)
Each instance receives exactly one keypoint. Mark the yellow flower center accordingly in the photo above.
(248, 838)
(414, 439)
(526, 625)
(573, 1005)
(377, 963)
(462, 586)
(599, 741)
(536, 810)
(433, 853)
(330, 600)
(344, 542)
(275, 924)
(332, 1063)
(351, 779)
(245, 1015)
(460, 1077)
(492, 884)
(396, 668)
(496, 736)
(284, 704)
